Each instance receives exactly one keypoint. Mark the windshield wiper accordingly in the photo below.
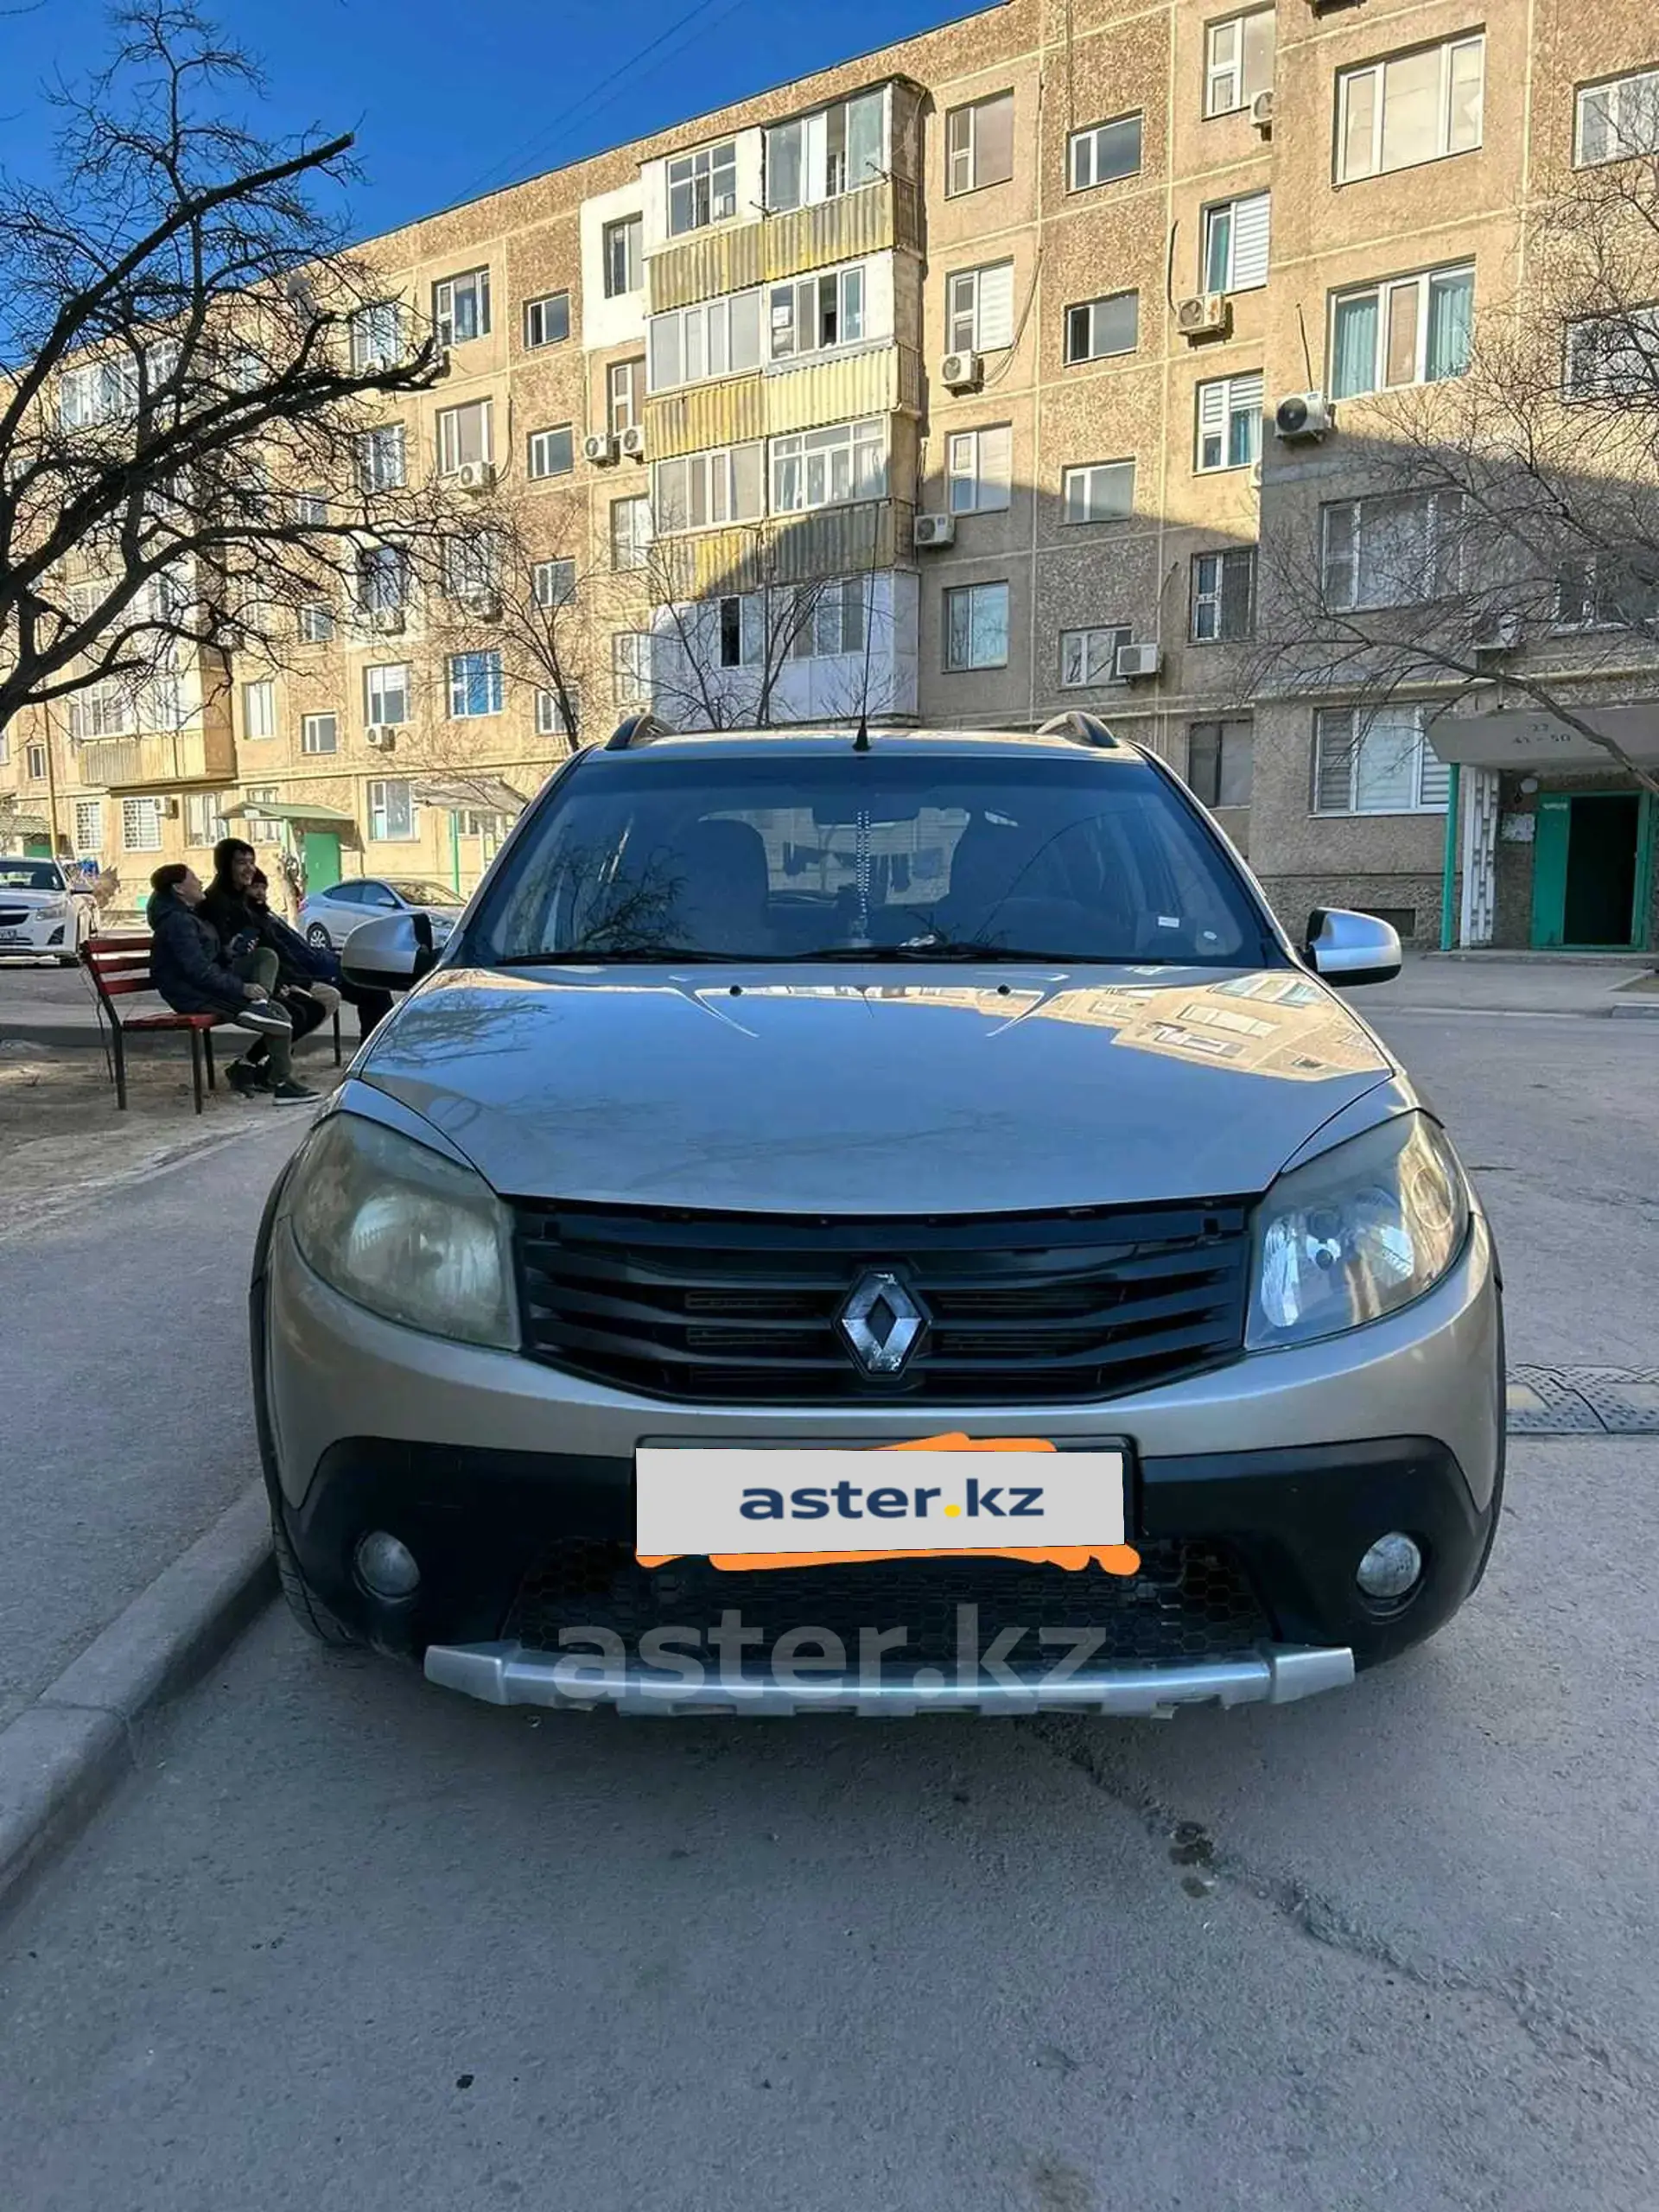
(657, 956)
(944, 949)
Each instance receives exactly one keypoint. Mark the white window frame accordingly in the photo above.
(549, 718)
(627, 232)
(715, 472)
(1635, 89)
(89, 811)
(376, 335)
(259, 709)
(979, 470)
(320, 733)
(1089, 309)
(1242, 728)
(851, 303)
(1246, 273)
(1096, 645)
(137, 811)
(1080, 486)
(380, 691)
(971, 593)
(1639, 379)
(34, 761)
(1384, 292)
(380, 799)
(823, 152)
(447, 292)
(630, 674)
(831, 628)
(1604, 572)
(381, 579)
(542, 452)
(104, 709)
(458, 678)
(624, 395)
(1083, 148)
(204, 820)
(553, 583)
(709, 176)
(315, 623)
(1240, 398)
(1430, 777)
(382, 458)
(636, 540)
(962, 151)
(723, 337)
(1348, 80)
(450, 457)
(1443, 516)
(1209, 597)
(1229, 84)
(536, 317)
(818, 454)
(989, 323)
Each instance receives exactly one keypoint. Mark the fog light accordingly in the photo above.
(1393, 1565)
(385, 1566)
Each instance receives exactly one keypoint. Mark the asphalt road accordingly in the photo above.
(348, 1942)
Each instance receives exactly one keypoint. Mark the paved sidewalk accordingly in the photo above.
(1496, 983)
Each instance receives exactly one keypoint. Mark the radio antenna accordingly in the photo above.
(861, 739)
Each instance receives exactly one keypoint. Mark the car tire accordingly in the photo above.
(67, 959)
(318, 938)
(319, 1622)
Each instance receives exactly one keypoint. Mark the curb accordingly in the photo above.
(63, 1754)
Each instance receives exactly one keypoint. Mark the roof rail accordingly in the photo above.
(1081, 728)
(638, 729)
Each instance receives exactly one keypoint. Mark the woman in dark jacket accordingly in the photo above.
(188, 967)
(309, 981)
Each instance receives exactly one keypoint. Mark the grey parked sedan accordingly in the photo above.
(883, 1223)
(327, 918)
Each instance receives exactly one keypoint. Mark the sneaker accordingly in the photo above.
(293, 1094)
(247, 1078)
(268, 1021)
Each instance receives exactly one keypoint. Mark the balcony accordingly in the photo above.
(881, 379)
(787, 548)
(166, 762)
(739, 255)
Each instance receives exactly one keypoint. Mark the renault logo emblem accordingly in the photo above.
(882, 1323)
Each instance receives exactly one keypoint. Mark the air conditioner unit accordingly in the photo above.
(1204, 315)
(382, 736)
(1133, 661)
(1497, 631)
(934, 530)
(375, 364)
(631, 441)
(1303, 415)
(388, 620)
(1262, 113)
(600, 448)
(961, 371)
(475, 475)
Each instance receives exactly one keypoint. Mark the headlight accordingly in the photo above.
(1370, 1226)
(408, 1234)
(54, 910)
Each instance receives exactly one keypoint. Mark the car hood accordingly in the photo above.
(845, 1091)
(31, 897)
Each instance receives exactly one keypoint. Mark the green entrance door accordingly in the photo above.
(321, 859)
(1591, 866)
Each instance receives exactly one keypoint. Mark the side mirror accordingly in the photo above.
(1352, 948)
(392, 954)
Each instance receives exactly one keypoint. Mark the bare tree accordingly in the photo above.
(1506, 529)
(188, 376)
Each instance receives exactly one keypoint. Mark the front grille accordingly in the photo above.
(1190, 1600)
(739, 1309)
(12, 918)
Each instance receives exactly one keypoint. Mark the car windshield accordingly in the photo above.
(413, 893)
(874, 855)
(30, 875)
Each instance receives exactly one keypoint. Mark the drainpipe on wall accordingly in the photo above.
(1449, 865)
(454, 851)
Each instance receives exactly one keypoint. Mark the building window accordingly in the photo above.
(1223, 596)
(260, 827)
(556, 717)
(1229, 422)
(35, 763)
(976, 627)
(1236, 244)
(141, 825)
(829, 620)
(1376, 763)
(105, 709)
(1410, 330)
(1103, 153)
(1608, 591)
(1413, 107)
(979, 309)
(391, 811)
(979, 144)
(703, 489)
(1089, 657)
(1617, 118)
(376, 334)
(475, 687)
(554, 583)
(89, 828)
(1613, 356)
(819, 156)
(550, 452)
(204, 820)
(631, 666)
(815, 314)
(1098, 328)
(461, 307)
(311, 509)
(1101, 491)
(629, 533)
(382, 579)
(621, 244)
(464, 436)
(979, 470)
(624, 395)
(738, 642)
(547, 321)
(318, 734)
(822, 468)
(1238, 61)
(380, 462)
(386, 695)
(1399, 550)
(316, 625)
(716, 338)
(702, 187)
(1219, 761)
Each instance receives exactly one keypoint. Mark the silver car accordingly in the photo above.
(327, 918)
(883, 1223)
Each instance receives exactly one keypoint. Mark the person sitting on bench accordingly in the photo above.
(191, 972)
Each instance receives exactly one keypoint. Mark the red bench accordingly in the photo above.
(119, 967)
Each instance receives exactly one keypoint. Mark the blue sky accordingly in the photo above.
(451, 97)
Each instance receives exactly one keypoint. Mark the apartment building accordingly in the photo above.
(936, 385)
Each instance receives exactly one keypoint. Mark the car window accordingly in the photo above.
(375, 895)
(832, 855)
(19, 875)
(425, 894)
(344, 894)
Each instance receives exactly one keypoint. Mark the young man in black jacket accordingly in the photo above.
(190, 968)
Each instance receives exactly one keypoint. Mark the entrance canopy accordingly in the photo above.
(1528, 738)
(470, 795)
(298, 811)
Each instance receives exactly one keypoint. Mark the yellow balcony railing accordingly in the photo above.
(739, 255)
(882, 380)
(192, 756)
(785, 549)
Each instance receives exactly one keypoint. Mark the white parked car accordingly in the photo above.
(327, 918)
(42, 914)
